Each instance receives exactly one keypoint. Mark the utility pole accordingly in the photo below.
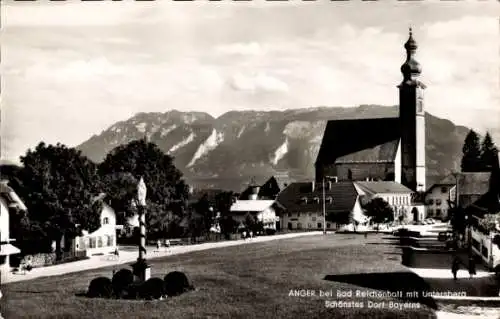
(324, 208)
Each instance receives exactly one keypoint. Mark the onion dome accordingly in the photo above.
(411, 68)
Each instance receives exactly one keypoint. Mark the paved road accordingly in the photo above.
(130, 256)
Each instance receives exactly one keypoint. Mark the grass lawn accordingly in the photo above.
(248, 281)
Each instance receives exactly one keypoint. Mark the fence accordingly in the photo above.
(48, 259)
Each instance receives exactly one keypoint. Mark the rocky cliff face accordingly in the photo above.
(226, 152)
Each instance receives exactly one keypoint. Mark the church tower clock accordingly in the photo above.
(412, 121)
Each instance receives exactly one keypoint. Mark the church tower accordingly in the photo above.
(412, 121)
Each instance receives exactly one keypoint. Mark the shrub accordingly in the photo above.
(153, 288)
(133, 290)
(100, 287)
(177, 283)
(270, 231)
(121, 280)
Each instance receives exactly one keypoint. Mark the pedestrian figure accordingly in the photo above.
(158, 245)
(167, 245)
(455, 267)
(251, 234)
(244, 235)
(117, 254)
(472, 267)
(366, 234)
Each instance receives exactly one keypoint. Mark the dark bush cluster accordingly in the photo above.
(176, 283)
(100, 287)
(121, 282)
(122, 286)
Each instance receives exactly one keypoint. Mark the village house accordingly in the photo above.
(303, 203)
(437, 197)
(102, 240)
(483, 241)
(9, 203)
(398, 196)
(270, 188)
(385, 149)
(263, 210)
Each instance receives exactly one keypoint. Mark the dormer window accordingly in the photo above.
(316, 199)
(329, 200)
(304, 200)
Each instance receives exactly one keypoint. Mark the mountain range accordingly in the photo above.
(228, 151)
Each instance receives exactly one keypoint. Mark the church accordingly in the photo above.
(381, 149)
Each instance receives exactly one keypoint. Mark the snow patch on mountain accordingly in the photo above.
(280, 152)
(242, 129)
(166, 130)
(268, 127)
(141, 127)
(210, 144)
(182, 143)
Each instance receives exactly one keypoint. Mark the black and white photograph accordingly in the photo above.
(250, 159)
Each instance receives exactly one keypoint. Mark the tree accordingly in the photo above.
(379, 211)
(121, 189)
(59, 189)
(228, 225)
(471, 153)
(489, 154)
(341, 218)
(204, 209)
(124, 165)
(223, 202)
(250, 221)
(458, 219)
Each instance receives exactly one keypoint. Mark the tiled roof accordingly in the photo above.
(283, 181)
(343, 195)
(344, 137)
(11, 196)
(383, 187)
(279, 181)
(385, 152)
(251, 205)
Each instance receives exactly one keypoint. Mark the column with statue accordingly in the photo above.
(141, 269)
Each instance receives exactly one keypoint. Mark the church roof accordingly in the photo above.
(384, 187)
(385, 152)
(360, 140)
(300, 197)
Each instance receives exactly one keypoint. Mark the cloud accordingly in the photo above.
(256, 83)
(251, 48)
(79, 70)
(216, 58)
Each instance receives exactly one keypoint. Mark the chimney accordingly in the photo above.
(313, 186)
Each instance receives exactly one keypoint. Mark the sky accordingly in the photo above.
(72, 69)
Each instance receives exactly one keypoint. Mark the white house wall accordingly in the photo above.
(492, 258)
(103, 240)
(4, 221)
(397, 164)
